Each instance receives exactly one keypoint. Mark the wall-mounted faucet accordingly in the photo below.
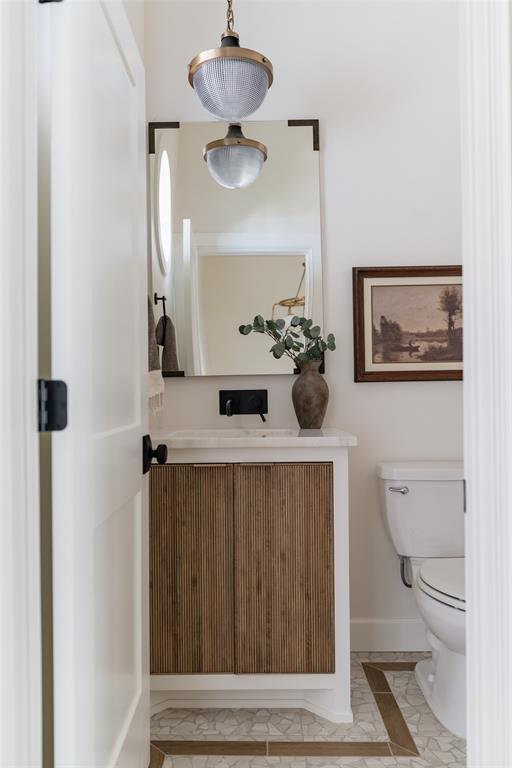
(243, 401)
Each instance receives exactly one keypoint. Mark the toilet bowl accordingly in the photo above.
(439, 591)
(423, 511)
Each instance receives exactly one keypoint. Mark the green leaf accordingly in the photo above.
(278, 348)
(280, 323)
(295, 321)
(271, 325)
(245, 329)
(259, 321)
(289, 343)
(308, 324)
(330, 337)
(295, 335)
(315, 332)
(303, 357)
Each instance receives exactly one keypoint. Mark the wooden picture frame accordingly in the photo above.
(385, 349)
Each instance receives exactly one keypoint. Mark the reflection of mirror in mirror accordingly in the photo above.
(237, 253)
(164, 218)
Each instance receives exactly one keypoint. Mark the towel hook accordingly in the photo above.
(162, 298)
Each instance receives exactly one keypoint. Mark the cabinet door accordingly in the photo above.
(191, 569)
(284, 606)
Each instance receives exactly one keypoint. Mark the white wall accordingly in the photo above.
(135, 12)
(232, 290)
(383, 80)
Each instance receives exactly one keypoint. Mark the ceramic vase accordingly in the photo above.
(310, 395)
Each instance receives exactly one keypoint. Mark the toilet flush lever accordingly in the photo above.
(403, 490)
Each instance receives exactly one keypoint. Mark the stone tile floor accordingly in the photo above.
(438, 747)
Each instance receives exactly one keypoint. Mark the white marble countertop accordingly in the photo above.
(253, 438)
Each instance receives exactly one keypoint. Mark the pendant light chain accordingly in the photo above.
(230, 16)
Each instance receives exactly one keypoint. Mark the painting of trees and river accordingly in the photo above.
(417, 323)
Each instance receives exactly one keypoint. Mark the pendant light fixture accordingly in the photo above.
(235, 161)
(230, 82)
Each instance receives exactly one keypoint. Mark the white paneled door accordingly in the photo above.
(99, 348)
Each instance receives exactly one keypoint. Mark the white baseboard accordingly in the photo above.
(388, 635)
(161, 700)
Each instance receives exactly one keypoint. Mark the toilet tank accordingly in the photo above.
(423, 507)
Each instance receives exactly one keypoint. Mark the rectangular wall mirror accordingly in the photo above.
(222, 256)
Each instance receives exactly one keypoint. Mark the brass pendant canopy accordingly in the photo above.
(234, 161)
(231, 82)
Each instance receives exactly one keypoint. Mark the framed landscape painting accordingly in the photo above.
(408, 323)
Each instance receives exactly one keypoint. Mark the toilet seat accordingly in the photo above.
(442, 579)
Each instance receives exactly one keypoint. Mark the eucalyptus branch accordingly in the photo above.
(301, 340)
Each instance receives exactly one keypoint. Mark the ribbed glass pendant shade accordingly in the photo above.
(235, 162)
(231, 82)
(235, 167)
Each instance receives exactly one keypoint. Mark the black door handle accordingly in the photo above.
(149, 453)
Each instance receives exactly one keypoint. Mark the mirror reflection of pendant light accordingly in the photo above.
(297, 301)
(230, 82)
(235, 161)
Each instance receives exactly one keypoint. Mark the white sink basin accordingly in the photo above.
(252, 438)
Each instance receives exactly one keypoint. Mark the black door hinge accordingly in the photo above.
(52, 405)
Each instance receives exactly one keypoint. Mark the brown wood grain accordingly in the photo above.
(284, 565)
(157, 757)
(218, 747)
(399, 751)
(358, 277)
(392, 666)
(328, 749)
(191, 569)
(376, 679)
(396, 726)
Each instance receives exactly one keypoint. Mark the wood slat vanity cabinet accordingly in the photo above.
(242, 568)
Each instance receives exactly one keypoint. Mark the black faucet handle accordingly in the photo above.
(258, 406)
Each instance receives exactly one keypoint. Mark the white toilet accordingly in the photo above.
(423, 505)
